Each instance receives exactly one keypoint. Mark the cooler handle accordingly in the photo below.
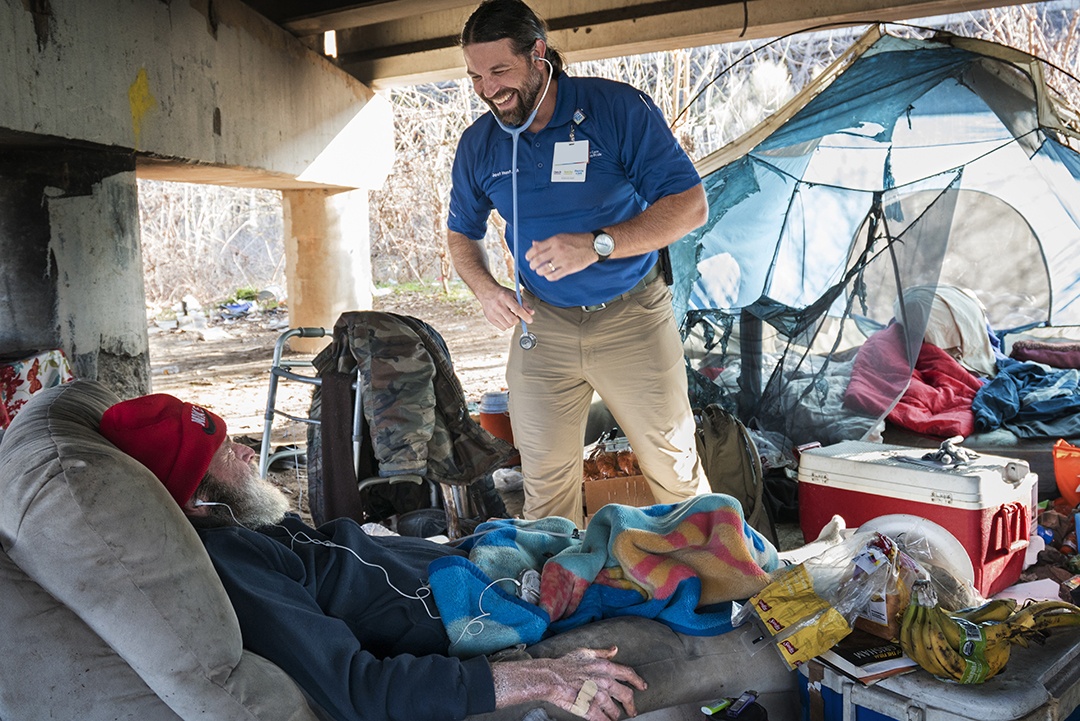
(1008, 530)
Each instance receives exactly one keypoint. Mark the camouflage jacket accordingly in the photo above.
(413, 403)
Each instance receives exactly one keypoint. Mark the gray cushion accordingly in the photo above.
(52, 660)
(114, 573)
(679, 669)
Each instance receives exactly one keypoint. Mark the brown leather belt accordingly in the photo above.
(652, 275)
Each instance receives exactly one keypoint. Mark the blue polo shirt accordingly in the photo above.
(634, 160)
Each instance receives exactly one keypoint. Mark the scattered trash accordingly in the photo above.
(377, 529)
(213, 333)
(508, 479)
(236, 310)
(296, 458)
(270, 296)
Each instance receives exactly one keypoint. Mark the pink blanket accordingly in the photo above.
(938, 398)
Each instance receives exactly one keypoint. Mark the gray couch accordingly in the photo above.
(109, 604)
(111, 609)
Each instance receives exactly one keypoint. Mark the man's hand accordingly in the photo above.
(501, 308)
(659, 225)
(498, 302)
(562, 681)
(561, 255)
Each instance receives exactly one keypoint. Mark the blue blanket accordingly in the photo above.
(681, 564)
(1030, 400)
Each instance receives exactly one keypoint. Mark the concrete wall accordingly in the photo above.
(95, 92)
(204, 82)
(72, 271)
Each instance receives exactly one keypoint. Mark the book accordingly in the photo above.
(868, 658)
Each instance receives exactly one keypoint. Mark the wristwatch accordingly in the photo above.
(603, 244)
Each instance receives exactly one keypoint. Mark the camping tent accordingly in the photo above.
(910, 167)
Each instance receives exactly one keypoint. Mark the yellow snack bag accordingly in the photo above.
(787, 601)
(812, 637)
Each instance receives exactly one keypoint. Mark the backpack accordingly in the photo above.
(732, 464)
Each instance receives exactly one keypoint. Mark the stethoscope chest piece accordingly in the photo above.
(527, 341)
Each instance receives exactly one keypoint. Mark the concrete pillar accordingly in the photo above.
(72, 271)
(327, 258)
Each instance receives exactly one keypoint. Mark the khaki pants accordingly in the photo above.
(631, 354)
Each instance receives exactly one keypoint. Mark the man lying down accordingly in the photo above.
(350, 617)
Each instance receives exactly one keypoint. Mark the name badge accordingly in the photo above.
(569, 163)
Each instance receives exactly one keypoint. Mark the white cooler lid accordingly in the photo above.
(900, 471)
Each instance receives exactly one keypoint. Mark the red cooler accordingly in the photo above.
(988, 503)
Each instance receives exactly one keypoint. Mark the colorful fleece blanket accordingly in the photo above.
(681, 564)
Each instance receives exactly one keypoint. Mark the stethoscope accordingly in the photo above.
(527, 341)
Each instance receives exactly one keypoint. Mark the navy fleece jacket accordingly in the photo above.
(333, 622)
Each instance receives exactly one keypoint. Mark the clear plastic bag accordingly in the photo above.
(864, 581)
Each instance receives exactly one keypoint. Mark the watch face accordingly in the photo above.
(603, 244)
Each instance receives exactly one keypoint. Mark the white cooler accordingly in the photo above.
(988, 504)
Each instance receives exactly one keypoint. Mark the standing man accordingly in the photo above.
(601, 186)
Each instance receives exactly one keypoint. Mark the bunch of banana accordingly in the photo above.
(973, 645)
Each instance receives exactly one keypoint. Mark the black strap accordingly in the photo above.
(665, 266)
(341, 497)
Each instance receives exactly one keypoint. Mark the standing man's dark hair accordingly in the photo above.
(510, 19)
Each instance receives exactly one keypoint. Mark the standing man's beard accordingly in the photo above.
(526, 97)
(254, 502)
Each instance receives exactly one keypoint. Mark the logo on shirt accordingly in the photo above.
(501, 173)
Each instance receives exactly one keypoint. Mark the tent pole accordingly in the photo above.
(750, 369)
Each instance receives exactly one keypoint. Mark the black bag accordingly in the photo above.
(732, 464)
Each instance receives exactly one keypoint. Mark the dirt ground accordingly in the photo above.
(226, 367)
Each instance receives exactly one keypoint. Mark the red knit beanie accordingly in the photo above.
(175, 440)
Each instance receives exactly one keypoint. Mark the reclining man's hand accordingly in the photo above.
(585, 682)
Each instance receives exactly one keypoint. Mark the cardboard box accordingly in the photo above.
(881, 616)
(987, 505)
(627, 490)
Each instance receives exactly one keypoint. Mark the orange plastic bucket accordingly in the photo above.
(495, 418)
(1067, 471)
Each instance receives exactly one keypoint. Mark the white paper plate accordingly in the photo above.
(906, 529)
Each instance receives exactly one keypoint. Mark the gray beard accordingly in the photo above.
(254, 503)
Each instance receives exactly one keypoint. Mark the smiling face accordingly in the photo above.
(507, 82)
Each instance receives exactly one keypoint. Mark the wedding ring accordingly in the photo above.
(584, 699)
(552, 266)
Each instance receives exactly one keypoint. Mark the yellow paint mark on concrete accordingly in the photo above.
(141, 100)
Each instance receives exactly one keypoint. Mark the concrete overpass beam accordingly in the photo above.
(327, 258)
